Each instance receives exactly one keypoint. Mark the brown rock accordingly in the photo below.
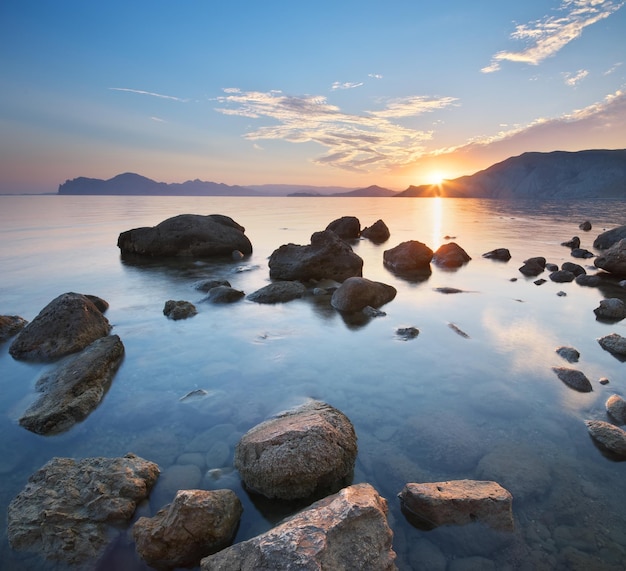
(278, 292)
(377, 232)
(616, 407)
(10, 325)
(346, 227)
(180, 309)
(450, 255)
(613, 260)
(408, 257)
(356, 293)
(574, 379)
(611, 437)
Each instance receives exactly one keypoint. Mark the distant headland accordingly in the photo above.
(558, 174)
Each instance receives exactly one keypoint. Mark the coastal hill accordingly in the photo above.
(560, 174)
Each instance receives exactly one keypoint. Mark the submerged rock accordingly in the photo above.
(613, 260)
(574, 379)
(501, 254)
(407, 333)
(616, 407)
(377, 232)
(356, 293)
(346, 227)
(612, 309)
(278, 292)
(450, 255)
(345, 531)
(605, 240)
(207, 285)
(179, 309)
(408, 257)
(610, 437)
(224, 294)
(11, 325)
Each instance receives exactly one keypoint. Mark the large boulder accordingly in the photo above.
(605, 240)
(196, 524)
(327, 256)
(377, 232)
(188, 235)
(408, 257)
(66, 510)
(574, 379)
(300, 452)
(354, 294)
(348, 530)
(612, 309)
(609, 436)
(70, 392)
(614, 259)
(10, 325)
(450, 255)
(278, 292)
(346, 227)
(458, 502)
(66, 325)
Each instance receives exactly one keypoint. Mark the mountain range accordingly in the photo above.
(559, 174)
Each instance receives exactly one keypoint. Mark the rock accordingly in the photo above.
(407, 333)
(179, 309)
(576, 269)
(377, 232)
(408, 257)
(370, 311)
(574, 379)
(66, 325)
(612, 309)
(298, 452)
(237, 255)
(67, 507)
(585, 226)
(587, 280)
(458, 502)
(582, 253)
(551, 267)
(573, 243)
(72, 391)
(458, 330)
(328, 256)
(450, 255)
(346, 227)
(356, 293)
(533, 266)
(348, 530)
(607, 239)
(10, 325)
(224, 294)
(570, 354)
(449, 290)
(540, 281)
(101, 304)
(501, 254)
(196, 524)
(603, 381)
(614, 259)
(562, 276)
(561, 293)
(207, 285)
(610, 437)
(278, 292)
(187, 235)
(616, 407)
(614, 343)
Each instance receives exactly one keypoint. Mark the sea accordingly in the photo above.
(482, 405)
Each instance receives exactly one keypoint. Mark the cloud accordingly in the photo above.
(158, 119)
(572, 79)
(347, 85)
(354, 142)
(548, 35)
(140, 92)
(613, 68)
(375, 75)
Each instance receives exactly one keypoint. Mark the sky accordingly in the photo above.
(331, 93)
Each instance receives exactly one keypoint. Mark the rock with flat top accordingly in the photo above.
(278, 292)
(609, 436)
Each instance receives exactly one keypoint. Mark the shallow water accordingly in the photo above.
(437, 407)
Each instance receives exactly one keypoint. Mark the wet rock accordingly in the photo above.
(407, 333)
(187, 235)
(179, 309)
(551, 267)
(66, 325)
(574, 379)
(501, 254)
(346, 227)
(581, 253)
(611, 437)
(614, 343)
(328, 256)
(377, 232)
(450, 255)
(278, 292)
(224, 294)
(540, 281)
(561, 293)
(603, 381)
(370, 311)
(458, 330)
(587, 280)
(573, 243)
(616, 407)
(67, 507)
(613, 260)
(570, 354)
(607, 239)
(72, 391)
(298, 452)
(10, 325)
(408, 257)
(612, 309)
(196, 524)
(348, 530)
(533, 266)
(585, 226)
(576, 269)
(207, 285)
(458, 502)
(562, 276)
(356, 293)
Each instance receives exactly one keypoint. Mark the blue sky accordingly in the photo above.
(327, 93)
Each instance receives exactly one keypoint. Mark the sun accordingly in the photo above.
(436, 178)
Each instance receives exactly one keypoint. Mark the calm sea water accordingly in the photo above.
(438, 407)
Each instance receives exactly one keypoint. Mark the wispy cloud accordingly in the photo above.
(141, 92)
(551, 33)
(158, 119)
(346, 85)
(375, 75)
(354, 142)
(573, 79)
(613, 68)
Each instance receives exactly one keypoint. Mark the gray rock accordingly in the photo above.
(612, 309)
(196, 524)
(407, 333)
(179, 309)
(614, 343)
(562, 276)
(450, 255)
(501, 254)
(570, 354)
(66, 325)
(356, 293)
(67, 507)
(607, 239)
(348, 530)
(540, 281)
(459, 502)
(328, 256)
(72, 391)
(10, 325)
(278, 292)
(533, 266)
(187, 235)
(613, 260)
(207, 285)
(574, 379)
(585, 226)
(581, 253)
(551, 267)
(346, 227)
(224, 294)
(616, 407)
(611, 437)
(297, 453)
(576, 269)
(408, 257)
(377, 232)
(588, 281)
(373, 312)
(573, 243)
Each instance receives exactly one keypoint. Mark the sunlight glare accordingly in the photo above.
(436, 178)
